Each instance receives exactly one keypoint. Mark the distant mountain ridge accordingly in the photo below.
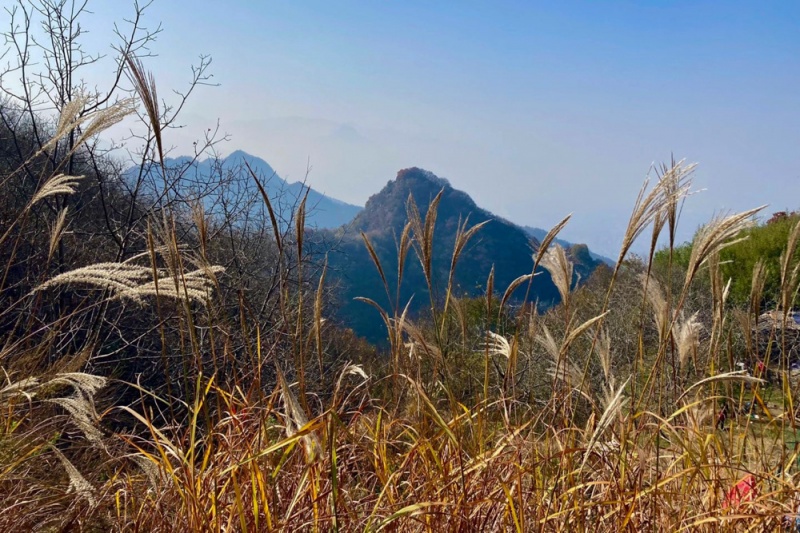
(322, 210)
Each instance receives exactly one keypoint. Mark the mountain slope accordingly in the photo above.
(499, 244)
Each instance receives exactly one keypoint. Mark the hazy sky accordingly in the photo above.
(536, 109)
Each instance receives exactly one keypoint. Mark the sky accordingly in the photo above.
(536, 109)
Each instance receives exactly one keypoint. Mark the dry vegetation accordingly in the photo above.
(147, 386)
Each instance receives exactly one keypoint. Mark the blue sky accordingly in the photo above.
(536, 109)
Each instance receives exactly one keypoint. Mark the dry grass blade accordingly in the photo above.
(402, 252)
(576, 332)
(145, 86)
(56, 232)
(739, 375)
(512, 287)
(544, 246)
(265, 197)
(375, 260)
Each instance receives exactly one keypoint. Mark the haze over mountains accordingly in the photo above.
(324, 211)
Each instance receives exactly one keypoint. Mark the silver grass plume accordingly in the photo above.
(650, 205)
(417, 337)
(562, 369)
(720, 233)
(296, 419)
(546, 340)
(790, 277)
(603, 350)
(655, 297)
(738, 375)
(77, 483)
(153, 471)
(80, 405)
(613, 408)
(498, 345)
(72, 116)
(58, 184)
(24, 387)
(572, 376)
(687, 337)
(757, 286)
(555, 261)
(107, 117)
(135, 282)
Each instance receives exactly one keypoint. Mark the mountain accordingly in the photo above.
(322, 211)
(499, 244)
(539, 234)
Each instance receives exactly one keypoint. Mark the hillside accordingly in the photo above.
(499, 244)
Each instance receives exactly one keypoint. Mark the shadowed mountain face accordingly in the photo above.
(322, 211)
(499, 244)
